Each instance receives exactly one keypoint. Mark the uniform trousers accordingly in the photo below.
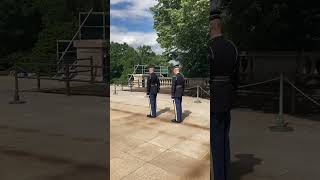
(220, 145)
(153, 105)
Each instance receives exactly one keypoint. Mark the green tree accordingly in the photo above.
(273, 24)
(123, 58)
(145, 54)
(182, 26)
(29, 29)
(20, 23)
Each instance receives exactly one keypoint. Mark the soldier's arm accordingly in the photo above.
(235, 75)
(158, 83)
(183, 83)
(148, 85)
(210, 62)
(173, 85)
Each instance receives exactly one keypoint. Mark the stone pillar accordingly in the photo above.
(138, 79)
(95, 49)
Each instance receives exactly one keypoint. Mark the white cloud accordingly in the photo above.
(135, 39)
(135, 9)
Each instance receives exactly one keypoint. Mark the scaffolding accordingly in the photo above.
(161, 71)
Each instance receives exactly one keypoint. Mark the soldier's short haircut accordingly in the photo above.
(151, 66)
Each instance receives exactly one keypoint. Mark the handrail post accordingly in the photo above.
(197, 100)
(280, 125)
(91, 70)
(67, 80)
(38, 79)
(16, 98)
(281, 100)
(115, 89)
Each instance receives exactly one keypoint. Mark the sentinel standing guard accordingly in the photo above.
(153, 87)
(224, 65)
(177, 91)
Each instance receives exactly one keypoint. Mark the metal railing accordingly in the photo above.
(280, 124)
(35, 72)
(159, 70)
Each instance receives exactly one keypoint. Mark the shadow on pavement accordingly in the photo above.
(164, 110)
(185, 114)
(244, 165)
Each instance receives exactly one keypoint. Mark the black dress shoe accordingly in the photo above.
(174, 121)
(149, 116)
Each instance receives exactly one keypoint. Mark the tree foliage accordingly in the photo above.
(182, 26)
(264, 25)
(123, 58)
(273, 24)
(32, 27)
(20, 23)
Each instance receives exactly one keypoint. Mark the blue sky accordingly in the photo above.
(132, 22)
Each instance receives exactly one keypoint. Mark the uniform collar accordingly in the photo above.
(217, 36)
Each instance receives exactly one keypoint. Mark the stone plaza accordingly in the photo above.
(54, 136)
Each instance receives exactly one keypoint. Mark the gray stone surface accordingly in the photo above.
(257, 153)
(167, 151)
(51, 136)
(58, 137)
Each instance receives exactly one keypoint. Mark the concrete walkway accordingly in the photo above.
(143, 148)
(259, 154)
(52, 136)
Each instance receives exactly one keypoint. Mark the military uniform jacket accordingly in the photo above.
(153, 84)
(224, 73)
(178, 85)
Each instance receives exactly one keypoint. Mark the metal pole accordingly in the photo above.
(38, 79)
(281, 100)
(280, 125)
(16, 98)
(115, 89)
(197, 100)
(67, 80)
(91, 70)
(79, 29)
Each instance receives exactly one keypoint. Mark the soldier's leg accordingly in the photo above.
(155, 105)
(174, 110)
(217, 145)
(150, 108)
(178, 109)
(180, 106)
(227, 120)
(152, 101)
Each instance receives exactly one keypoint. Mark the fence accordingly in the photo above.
(167, 82)
(84, 79)
(280, 124)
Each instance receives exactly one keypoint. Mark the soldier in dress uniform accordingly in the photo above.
(177, 91)
(153, 87)
(224, 75)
